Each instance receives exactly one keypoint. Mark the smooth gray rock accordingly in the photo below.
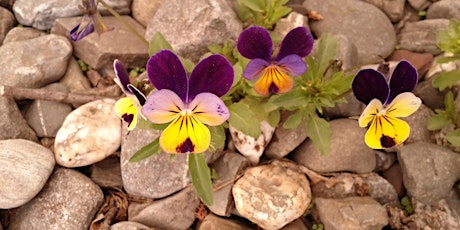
(418, 122)
(351, 213)
(128, 225)
(41, 14)
(431, 97)
(22, 34)
(170, 213)
(293, 20)
(68, 201)
(100, 51)
(12, 122)
(348, 151)
(272, 195)
(36, 62)
(107, 173)
(421, 36)
(394, 9)
(143, 11)
(429, 170)
(189, 31)
(212, 222)
(74, 79)
(46, 117)
(419, 4)
(24, 169)
(350, 107)
(7, 22)
(364, 24)
(448, 9)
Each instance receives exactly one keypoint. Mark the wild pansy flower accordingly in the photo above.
(386, 101)
(127, 108)
(272, 72)
(187, 102)
(91, 21)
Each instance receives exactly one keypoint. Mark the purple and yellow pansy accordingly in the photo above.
(273, 73)
(386, 100)
(90, 22)
(189, 103)
(127, 108)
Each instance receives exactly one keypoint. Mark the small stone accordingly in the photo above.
(227, 167)
(212, 222)
(293, 20)
(418, 122)
(143, 11)
(21, 34)
(7, 22)
(272, 195)
(448, 9)
(394, 176)
(421, 61)
(74, 79)
(419, 5)
(170, 213)
(351, 213)
(128, 225)
(49, 55)
(421, 36)
(348, 152)
(250, 147)
(394, 9)
(68, 201)
(89, 134)
(351, 107)
(422, 160)
(107, 173)
(24, 169)
(431, 97)
(12, 120)
(295, 225)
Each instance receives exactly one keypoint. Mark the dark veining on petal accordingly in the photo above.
(387, 142)
(186, 146)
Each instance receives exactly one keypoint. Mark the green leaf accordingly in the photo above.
(319, 131)
(188, 65)
(217, 138)
(441, 60)
(201, 177)
(294, 120)
(145, 124)
(278, 13)
(157, 43)
(449, 103)
(146, 151)
(446, 79)
(243, 119)
(274, 118)
(454, 137)
(327, 49)
(296, 98)
(448, 40)
(439, 121)
(215, 49)
(255, 5)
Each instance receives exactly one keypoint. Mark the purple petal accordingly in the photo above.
(76, 33)
(255, 42)
(165, 71)
(121, 74)
(293, 64)
(403, 79)
(213, 74)
(255, 68)
(369, 84)
(139, 95)
(298, 41)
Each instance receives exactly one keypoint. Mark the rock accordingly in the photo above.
(24, 169)
(89, 134)
(421, 61)
(107, 173)
(143, 11)
(74, 79)
(418, 122)
(421, 36)
(46, 117)
(364, 24)
(174, 212)
(295, 225)
(385, 160)
(394, 176)
(22, 34)
(41, 14)
(212, 222)
(11, 119)
(36, 62)
(437, 68)
(100, 51)
(347, 52)
(431, 97)
(393, 9)
(285, 140)
(351, 107)
(272, 195)
(7, 22)
(293, 20)
(227, 167)
(351, 213)
(419, 5)
(422, 160)
(448, 9)
(68, 201)
(211, 22)
(348, 151)
(250, 147)
(128, 225)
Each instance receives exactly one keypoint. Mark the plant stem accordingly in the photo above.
(119, 18)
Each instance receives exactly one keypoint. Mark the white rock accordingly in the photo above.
(250, 147)
(89, 134)
(25, 166)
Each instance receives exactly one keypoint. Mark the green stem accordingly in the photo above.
(119, 18)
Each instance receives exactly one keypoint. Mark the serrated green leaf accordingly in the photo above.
(327, 49)
(255, 5)
(319, 131)
(274, 118)
(296, 98)
(278, 13)
(217, 138)
(294, 120)
(446, 79)
(215, 48)
(201, 177)
(339, 83)
(238, 71)
(448, 39)
(146, 151)
(439, 121)
(157, 43)
(280, 2)
(243, 119)
(454, 137)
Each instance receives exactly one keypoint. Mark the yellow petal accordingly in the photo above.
(185, 135)
(372, 109)
(126, 110)
(273, 80)
(403, 105)
(386, 131)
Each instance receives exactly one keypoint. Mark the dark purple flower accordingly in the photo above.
(91, 21)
